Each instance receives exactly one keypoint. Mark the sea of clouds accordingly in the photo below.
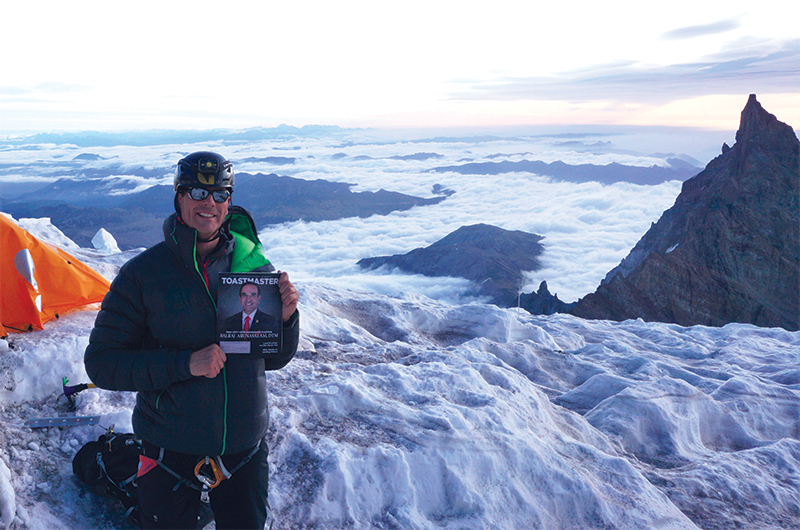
(587, 227)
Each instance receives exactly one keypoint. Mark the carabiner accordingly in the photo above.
(206, 479)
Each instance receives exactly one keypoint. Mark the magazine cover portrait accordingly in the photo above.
(249, 313)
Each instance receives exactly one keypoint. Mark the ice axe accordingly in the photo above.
(70, 391)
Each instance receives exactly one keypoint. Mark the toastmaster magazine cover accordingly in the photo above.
(249, 313)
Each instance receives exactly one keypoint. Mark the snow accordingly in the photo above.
(105, 242)
(47, 232)
(407, 412)
(8, 501)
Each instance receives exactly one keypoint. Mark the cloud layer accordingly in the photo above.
(701, 30)
(588, 228)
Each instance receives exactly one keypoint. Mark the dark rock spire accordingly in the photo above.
(729, 249)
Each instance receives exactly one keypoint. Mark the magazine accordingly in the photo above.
(249, 313)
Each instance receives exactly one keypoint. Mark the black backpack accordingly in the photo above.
(109, 467)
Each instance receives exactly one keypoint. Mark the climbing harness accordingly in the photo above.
(208, 480)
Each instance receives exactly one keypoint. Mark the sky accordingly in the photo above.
(97, 65)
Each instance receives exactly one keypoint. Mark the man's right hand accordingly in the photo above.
(207, 362)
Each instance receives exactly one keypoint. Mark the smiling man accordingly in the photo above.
(201, 416)
(250, 318)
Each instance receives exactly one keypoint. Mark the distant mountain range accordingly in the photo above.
(606, 174)
(79, 208)
(94, 191)
(167, 136)
(419, 157)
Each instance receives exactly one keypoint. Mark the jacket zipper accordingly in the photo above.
(204, 277)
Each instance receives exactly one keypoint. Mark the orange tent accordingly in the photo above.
(39, 282)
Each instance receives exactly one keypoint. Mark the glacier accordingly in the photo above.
(406, 412)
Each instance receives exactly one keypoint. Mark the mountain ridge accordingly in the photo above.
(135, 219)
(729, 248)
(606, 174)
(492, 257)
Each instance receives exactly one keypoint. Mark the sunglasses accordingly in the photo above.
(200, 194)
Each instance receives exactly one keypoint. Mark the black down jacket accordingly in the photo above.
(156, 314)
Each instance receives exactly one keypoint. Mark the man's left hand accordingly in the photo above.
(289, 296)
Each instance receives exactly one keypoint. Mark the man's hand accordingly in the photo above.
(207, 362)
(289, 296)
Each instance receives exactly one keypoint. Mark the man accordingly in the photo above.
(250, 318)
(202, 416)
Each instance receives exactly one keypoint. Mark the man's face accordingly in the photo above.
(205, 216)
(249, 298)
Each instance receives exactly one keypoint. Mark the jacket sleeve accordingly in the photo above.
(118, 356)
(291, 338)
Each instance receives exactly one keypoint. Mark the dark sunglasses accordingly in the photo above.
(200, 194)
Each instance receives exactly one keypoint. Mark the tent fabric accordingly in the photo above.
(39, 282)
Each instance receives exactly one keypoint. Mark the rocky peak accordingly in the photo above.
(495, 259)
(760, 131)
(729, 249)
(756, 124)
(541, 302)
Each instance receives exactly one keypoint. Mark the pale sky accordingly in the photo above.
(104, 65)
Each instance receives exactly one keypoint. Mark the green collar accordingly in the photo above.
(248, 254)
